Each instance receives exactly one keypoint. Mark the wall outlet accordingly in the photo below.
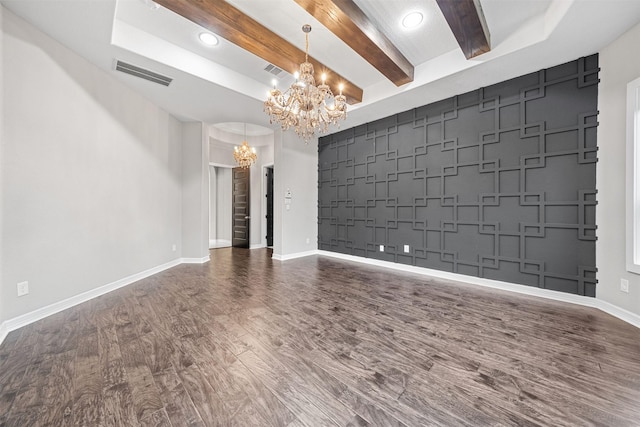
(624, 285)
(23, 288)
(308, 240)
(381, 248)
(173, 248)
(406, 249)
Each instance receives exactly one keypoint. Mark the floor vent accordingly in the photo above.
(143, 73)
(270, 68)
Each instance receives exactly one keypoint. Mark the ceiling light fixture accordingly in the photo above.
(304, 106)
(412, 20)
(208, 39)
(245, 156)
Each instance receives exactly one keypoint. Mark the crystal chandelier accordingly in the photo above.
(245, 156)
(304, 106)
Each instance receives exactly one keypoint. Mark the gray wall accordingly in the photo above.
(496, 183)
(90, 173)
(619, 67)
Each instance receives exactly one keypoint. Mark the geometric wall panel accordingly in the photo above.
(496, 183)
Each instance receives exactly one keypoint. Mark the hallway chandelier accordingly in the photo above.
(245, 156)
(304, 106)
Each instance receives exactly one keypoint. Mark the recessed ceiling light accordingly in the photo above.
(412, 20)
(208, 39)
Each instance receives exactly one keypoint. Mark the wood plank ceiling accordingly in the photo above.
(347, 21)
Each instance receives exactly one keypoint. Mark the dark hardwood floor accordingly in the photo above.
(247, 341)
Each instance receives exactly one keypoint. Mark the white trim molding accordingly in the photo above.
(258, 246)
(279, 257)
(608, 308)
(4, 331)
(633, 177)
(618, 312)
(25, 319)
(33, 316)
(194, 260)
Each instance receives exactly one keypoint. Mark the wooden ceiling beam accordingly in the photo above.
(347, 21)
(466, 20)
(233, 25)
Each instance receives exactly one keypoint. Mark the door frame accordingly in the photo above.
(246, 180)
(263, 205)
(216, 165)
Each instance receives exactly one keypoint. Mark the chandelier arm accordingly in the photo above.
(303, 106)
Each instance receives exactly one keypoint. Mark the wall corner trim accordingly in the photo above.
(279, 257)
(601, 305)
(194, 260)
(40, 313)
(618, 312)
(4, 331)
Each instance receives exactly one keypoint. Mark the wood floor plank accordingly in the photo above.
(87, 381)
(207, 402)
(117, 406)
(273, 411)
(178, 405)
(243, 341)
(286, 390)
(145, 395)
(156, 419)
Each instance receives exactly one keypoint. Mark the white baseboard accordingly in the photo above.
(25, 319)
(4, 331)
(258, 246)
(608, 308)
(33, 316)
(219, 243)
(279, 257)
(618, 312)
(194, 260)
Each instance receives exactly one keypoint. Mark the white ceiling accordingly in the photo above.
(226, 84)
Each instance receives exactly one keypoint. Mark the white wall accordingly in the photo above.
(195, 191)
(223, 212)
(2, 317)
(91, 174)
(295, 169)
(213, 202)
(620, 64)
(266, 159)
(221, 153)
(258, 200)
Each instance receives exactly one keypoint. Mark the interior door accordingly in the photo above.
(269, 207)
(240, 206)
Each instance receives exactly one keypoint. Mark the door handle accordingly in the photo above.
(247, 217)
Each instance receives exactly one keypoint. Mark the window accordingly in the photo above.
(633, 176)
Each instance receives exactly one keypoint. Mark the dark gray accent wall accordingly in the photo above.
(496, 183)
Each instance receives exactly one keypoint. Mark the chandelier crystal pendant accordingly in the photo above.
(304, 106)
(245, 156)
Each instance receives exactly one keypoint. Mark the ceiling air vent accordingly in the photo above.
(270, 68)
(142, 73)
